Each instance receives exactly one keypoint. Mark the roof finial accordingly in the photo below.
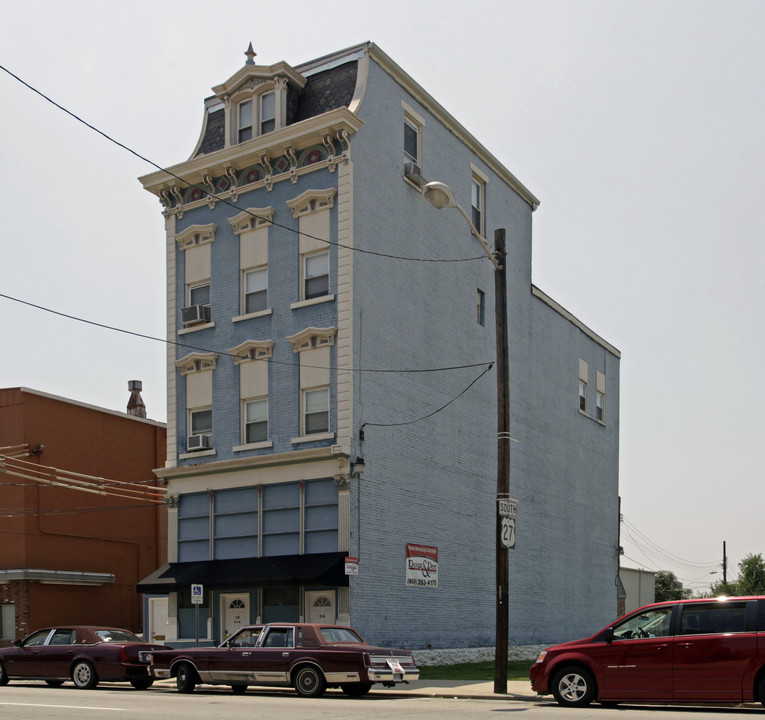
(250, 55)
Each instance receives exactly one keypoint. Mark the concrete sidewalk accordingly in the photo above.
(516, 689)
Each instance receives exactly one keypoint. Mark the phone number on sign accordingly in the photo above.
(422, 583)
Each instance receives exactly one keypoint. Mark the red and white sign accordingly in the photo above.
(421, 566)
(351, 565)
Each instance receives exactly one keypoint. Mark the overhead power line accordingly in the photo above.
(220, 198)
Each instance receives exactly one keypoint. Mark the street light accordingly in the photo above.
(441, 196)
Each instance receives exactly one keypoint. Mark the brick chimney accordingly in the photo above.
(135, 405)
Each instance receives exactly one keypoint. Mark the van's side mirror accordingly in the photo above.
(608, 636)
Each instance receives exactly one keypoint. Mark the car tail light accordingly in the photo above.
(123, 655)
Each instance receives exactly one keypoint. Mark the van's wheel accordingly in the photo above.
(573, 687)
(186, 680)
(760, 688)
(84, 675)
(309, 682)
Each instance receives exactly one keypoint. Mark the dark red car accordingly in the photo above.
(307, 657)
(83, 654)
(704, 650)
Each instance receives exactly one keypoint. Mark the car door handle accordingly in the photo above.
(685, 644)
(247, 653)
(662, 647)
(285, 654)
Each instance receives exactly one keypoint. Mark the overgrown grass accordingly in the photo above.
(480, 671)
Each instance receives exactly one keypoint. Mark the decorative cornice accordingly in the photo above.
(251, 350)
(256, 75)
(312, 338)
(195, 235)
(196, 362)
(312, 201)
(252, 219)
(300, 135)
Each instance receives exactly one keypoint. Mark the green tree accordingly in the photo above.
(750, 580)
(668, 587)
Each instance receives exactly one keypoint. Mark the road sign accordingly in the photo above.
(197, 594)
(508, 532)
(507, 507)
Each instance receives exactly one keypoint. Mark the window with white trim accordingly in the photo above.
(267, 112)
(315, 411)
(200, 422)
(255, 285)
(583, 370)
(256, 421)
(315, 275)
(244, 121)
(411, 141)
(199, 294)
(477, 201)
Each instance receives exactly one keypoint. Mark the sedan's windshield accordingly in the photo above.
(117, 636)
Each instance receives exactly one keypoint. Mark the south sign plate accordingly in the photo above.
(507, 507)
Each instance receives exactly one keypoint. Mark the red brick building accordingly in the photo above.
(82, 516)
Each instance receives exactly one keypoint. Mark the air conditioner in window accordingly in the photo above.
(413, 173)
(195, 314)
(198, 442)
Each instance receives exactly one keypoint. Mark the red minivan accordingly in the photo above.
(705, 650)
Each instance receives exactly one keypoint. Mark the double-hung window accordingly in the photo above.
(315, 275)
(255, 290)
(244, 121)
(477, 199)
(256, 421)
(316, 411)
(582, 396)
(267, 112)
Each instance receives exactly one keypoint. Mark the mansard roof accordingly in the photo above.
(321, 92)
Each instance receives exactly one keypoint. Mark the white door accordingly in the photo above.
(157, 620)
(320, 606)
(235, 612)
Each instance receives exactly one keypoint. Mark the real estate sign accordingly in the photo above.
(421, 566)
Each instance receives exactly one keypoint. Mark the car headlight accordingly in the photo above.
(541, 656)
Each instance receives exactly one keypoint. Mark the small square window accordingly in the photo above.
(316, 411)
(582, 396)
(255, 290)
(244, 124)
(316, 275)
(256, 421)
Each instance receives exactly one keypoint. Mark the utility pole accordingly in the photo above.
(503, 459)
(725, 564)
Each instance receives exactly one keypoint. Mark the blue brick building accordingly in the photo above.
(321, 312)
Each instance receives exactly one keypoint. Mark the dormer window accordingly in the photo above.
(267, 112)
(255, 99)
(245, 121)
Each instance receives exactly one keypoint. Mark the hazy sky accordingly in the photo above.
(639, 125)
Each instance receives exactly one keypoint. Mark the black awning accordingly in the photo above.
(314, 569)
